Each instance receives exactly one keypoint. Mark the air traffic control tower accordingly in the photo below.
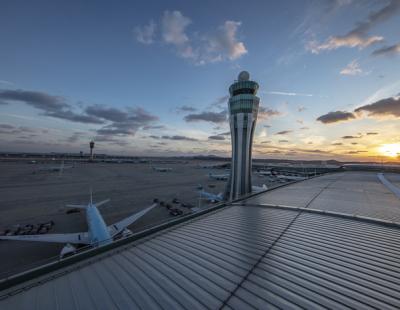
(243, 108)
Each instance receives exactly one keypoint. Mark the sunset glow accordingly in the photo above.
(391, 150)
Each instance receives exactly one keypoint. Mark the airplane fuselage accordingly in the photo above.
(98, 231)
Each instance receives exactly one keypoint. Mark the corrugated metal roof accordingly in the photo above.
(359, 193)
(239, 257)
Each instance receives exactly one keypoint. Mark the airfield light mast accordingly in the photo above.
(243, 109)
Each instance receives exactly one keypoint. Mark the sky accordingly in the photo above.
(151, 78)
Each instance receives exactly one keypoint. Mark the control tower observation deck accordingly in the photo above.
(243, 110)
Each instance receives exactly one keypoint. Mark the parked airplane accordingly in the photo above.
(264, 172)
(210, 196)
(290, 177)
(59, 168)
(218, 177)
(99, 233)
(161, 169)
(257, 189)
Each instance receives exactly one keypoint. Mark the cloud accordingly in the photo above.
(227, 133)
(337, 143)
(353, 68)
(145, 34)
(179, 138)
(304, 128)
(372, 133)
(173, 28)
(281, 93)
(224, 44)
(267, 126)
(6, 82)
(333, 117)
(8, 129)
(358, 36)
(384, 107)
(213, 117)
(122, 122)
(264, 142)
(351, 137)
(53, 106)
(150, 127)
(265, 113)
(283, 132)
(301, 109)
(216, 137)
(74, 138)
(186, 108)
(387, 50)
(283, 141)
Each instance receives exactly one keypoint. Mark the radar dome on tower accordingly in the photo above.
(244, 76)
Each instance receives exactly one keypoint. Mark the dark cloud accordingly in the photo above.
(358, 36)
(304, 128)
(265, 113)
(356, 152)
(75, 137)
(351, 137)
(154, 127)
(284, 132)
(179, 138)
(74, 117)
(39, 100)
(283, 141)
(227, 133)
(213, 117)
(53, 106)
(337, 143)
(385, 107)
(266, 142)
(333, 117)
(387, 50)
(122, 122)
(372, 133)
(186, 108)
(217, 137)
(267, 126)
(354, 143)
(110, 114)
(110, 140)
(154, 137)
(7, 129)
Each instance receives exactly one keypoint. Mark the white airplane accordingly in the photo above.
(264, 172)
(161, 169)
(218, 177)
(257, 189)
(59, 168)
(289, 177)
(99, 233)
(210, 196)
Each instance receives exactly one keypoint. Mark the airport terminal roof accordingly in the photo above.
(328, 242)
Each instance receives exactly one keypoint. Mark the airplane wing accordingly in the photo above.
(75, 238)
(121, 225)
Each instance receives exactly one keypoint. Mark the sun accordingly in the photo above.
(391, 150)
